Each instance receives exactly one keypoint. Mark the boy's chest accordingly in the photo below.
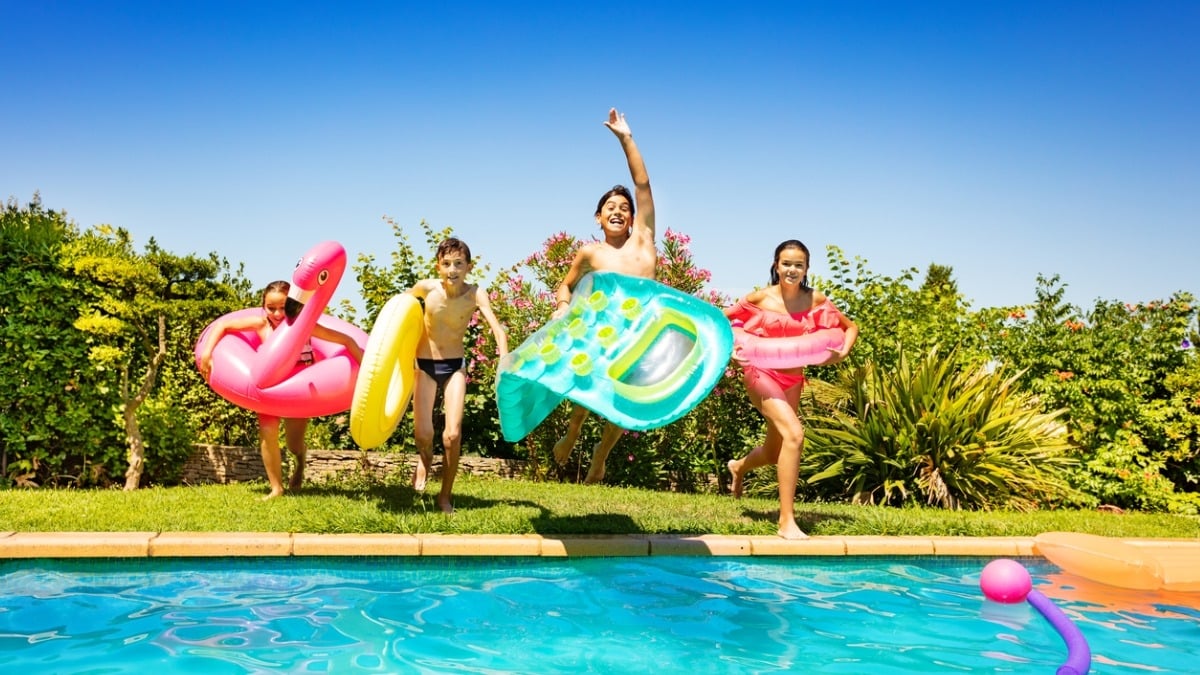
(440, 308)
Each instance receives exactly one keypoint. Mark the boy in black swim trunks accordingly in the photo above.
(450, 302)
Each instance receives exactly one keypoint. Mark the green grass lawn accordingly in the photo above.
(510, 506)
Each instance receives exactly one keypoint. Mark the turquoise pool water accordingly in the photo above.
(601, 615)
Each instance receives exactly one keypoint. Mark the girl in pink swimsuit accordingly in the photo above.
(787, 308)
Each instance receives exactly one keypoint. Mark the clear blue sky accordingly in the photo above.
(1004, 139)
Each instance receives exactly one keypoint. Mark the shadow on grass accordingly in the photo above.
(403, 499)
(807, 520)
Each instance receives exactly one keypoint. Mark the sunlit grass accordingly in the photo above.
(510, 506)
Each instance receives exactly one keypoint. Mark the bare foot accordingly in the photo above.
(736, 486)
(562, 450)
(446, 507)
(596, 473)
(420, 474)
(791, 531)
(273, 494)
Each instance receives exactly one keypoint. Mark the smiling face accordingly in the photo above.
(453, 267)
(614, 213)
(275, 304)
(791, 267)
(616, 216)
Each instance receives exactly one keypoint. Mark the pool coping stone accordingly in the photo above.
(277, 544)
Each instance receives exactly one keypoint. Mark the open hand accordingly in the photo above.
(616, 122)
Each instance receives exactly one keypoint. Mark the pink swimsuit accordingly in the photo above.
(767, 383)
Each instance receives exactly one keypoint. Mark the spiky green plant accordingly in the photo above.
(934, 432)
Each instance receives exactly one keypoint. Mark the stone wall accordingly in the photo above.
(232, 464)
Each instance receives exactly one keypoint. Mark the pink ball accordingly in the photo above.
(1005, 580)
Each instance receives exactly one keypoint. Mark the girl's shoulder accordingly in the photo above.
(758, 295)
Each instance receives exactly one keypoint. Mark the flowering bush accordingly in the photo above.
(685, 454)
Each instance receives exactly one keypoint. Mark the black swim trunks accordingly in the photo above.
(440, 369)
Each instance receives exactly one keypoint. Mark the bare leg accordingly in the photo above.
(268, 433)
(564, 446)
(608, 440)
(294, 429)
(782, 416)
(456, 389)
(761, 455)
(424, 394)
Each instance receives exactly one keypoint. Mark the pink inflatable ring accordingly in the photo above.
(779, 353)
(265, 376)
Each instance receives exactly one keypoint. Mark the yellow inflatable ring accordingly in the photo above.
(388, 371)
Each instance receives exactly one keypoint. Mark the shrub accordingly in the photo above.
(930, 432)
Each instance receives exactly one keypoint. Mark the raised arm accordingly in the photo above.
(637, 172)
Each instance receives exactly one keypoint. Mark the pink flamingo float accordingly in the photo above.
(265, 376)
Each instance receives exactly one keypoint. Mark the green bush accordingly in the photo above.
(55, 407)
(930, 432)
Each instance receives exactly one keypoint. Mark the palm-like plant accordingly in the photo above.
(931, 431)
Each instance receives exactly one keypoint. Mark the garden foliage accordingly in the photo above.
(939, 403)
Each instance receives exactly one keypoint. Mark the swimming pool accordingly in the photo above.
(499, 615)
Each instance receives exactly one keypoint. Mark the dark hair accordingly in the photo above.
(790, 243)
(454, 245)
(616, 190)
(291, 306)
(280, 286)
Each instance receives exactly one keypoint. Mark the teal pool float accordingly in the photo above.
(637, 352)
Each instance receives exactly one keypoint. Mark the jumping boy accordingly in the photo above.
(628, 248)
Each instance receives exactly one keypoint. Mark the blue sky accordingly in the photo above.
(1004, 139)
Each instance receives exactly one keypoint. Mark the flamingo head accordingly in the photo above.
(317, 273)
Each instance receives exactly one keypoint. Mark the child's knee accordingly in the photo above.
(423, 435)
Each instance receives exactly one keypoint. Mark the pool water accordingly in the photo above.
(600, 615)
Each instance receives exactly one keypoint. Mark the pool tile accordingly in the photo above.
(699, 545)
(595, 546)
(810, 546)
(220, 544)
(983, 546)
(355, 544)
(480, 544)
(76, 545)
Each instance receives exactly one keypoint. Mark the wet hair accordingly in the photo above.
(796, 244)
(291, 306)
(454, 245)
(616, 190)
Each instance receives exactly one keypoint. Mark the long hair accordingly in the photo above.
(796, 244)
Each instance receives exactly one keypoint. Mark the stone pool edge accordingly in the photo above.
(275, 544)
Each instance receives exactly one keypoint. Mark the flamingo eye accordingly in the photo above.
(298, 261)
(323, 276)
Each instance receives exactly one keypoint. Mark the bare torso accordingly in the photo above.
(446, 319)
(636, 257)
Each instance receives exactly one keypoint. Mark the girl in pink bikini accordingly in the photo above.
(787, 308)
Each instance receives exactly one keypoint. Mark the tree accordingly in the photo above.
(130, 300)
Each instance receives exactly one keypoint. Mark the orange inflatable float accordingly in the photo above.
(1145, 565)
